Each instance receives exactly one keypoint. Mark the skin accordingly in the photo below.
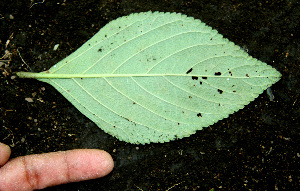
(43, 170)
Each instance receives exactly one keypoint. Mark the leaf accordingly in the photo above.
(155, 77)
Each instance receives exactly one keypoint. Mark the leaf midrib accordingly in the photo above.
(70, 76)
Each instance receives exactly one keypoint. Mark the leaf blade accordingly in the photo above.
(154, 77)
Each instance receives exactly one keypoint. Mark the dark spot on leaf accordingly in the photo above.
(218, 73)
(220, 91)
(200, 83)
(89, 44)
(81, 78)
(125, 118)
(189, 71)
(105, 36)
(182, 111)
(133, 103)
(210, 38)
(114, 126)
(199, 115)
(178, 123)
(194, 77)
(204, 78)
(247, 75)
(219, 104)
(205, 70)
(100, 50)
(190, 96)
(234, 91)
(230, 73)
(232, 86)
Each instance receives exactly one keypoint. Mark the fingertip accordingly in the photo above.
(5, 152)
(91, 164)
(49, 169)
(109, 162)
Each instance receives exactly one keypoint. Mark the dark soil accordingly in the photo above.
(256, 148)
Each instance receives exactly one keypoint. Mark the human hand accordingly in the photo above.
(43, 170)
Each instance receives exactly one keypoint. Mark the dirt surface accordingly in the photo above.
(256, 148)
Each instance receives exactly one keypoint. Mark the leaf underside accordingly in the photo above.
(154, 77)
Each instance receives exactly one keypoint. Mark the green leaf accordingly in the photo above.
(155, 77)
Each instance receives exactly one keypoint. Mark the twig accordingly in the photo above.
(23, 59)
(36, 4)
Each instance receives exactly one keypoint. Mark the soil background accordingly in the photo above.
(256, 148)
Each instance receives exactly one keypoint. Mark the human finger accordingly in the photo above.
(49, 169)
(4, 153)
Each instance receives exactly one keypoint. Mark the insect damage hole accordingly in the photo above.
(189, 71)
(218, 73)
(220, 91)
(194, 78)
(199, 115)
